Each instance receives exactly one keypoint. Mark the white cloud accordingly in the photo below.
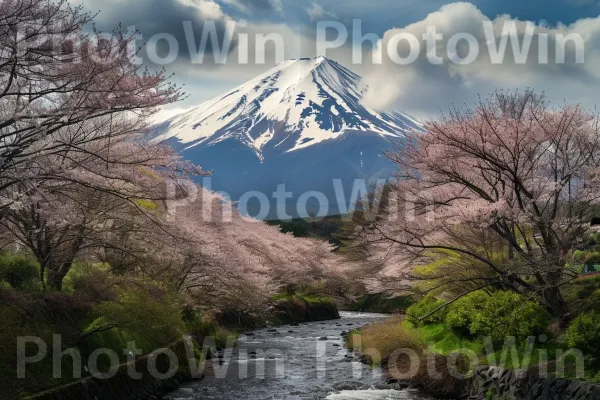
(421, 88)
(208, 9)
(424, 89)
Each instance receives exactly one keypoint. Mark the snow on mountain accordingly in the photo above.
(310, 100)
(302, 124)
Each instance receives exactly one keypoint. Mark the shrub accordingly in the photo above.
(586, 287)
(91, 282)
(461, 313)
(197, 324)
(422, 312)
(507, 314)
(16, 323)
(19, 271)
(142, 311)
(498, 316)
(593, 258)
(579, 256)
(595, 379)
(584, 333)
(593, 302)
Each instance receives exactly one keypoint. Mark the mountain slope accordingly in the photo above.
(301, 123)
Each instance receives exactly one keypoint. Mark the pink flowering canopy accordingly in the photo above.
(499, 194)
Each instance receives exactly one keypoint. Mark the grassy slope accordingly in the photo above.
(376, 342)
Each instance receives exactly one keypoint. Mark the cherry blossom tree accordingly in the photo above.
(78, 180)
(69, 215)
(61, 87)
(497, 196)
(73, 110)
(230, 261)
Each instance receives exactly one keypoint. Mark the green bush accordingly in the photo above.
(197, 324)
(91, 281)
(461, 313)
(579, 256)
(142, 311)
(586, 287)
(418, 313)
(593, 302)
(19, 271)
(584, 333)
(16, 323)
(507, 314)
(202, 327)
(593, 258)
(498, 316)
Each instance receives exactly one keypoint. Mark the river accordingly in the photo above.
(305, 362)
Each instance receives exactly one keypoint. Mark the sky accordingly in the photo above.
(420, 87)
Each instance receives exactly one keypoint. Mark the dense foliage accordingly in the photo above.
(97, 310)
(462, 313)
(498, 195)
(584, 334)
(505, 315)
(426, 311)
(81, 181)
(498, 315)
(105, 237)
(19, 271)
(142, 312)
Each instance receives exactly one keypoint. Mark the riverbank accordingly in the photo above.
(405, 357)
(443, 365)
(298, 309)
(158, 374)
(492, 383)
(282, 310)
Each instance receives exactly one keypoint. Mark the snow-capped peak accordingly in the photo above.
(295, 105)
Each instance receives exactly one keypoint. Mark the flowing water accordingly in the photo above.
(305, 362)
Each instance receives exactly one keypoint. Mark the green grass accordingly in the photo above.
(437, 338)
(444, 341)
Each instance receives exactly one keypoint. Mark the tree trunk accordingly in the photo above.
(60, 264)
(57, 273)
(557, 304)
(55, 279)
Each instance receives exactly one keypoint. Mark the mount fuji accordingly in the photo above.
(302, 124)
